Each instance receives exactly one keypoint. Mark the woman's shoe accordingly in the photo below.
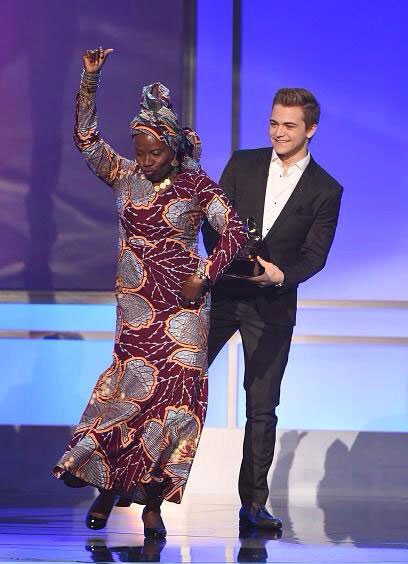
(157, 532)
(95, 523)
(99, 512)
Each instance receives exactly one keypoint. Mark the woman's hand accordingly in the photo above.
(94, 59)
(192, 291)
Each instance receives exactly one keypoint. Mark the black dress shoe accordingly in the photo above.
(99, 512)
(256, 515)
(153, 532)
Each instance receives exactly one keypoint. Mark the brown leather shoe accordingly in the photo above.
(256, 515)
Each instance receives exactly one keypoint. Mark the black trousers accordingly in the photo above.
(266, 348)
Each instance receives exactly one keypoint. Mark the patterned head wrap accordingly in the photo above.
(157, 118)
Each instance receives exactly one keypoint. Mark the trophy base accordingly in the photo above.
(242, 268)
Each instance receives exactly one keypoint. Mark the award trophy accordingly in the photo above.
(245, 264)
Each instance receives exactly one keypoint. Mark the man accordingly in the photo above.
(295, 204)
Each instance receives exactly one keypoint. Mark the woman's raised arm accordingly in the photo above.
(100, 157)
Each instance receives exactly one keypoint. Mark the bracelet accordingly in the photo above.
(206, 281)
(200, 274)
(90, 80)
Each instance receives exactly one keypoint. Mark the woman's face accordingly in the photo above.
(153, 156)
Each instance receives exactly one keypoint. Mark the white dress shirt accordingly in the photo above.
(279, 187)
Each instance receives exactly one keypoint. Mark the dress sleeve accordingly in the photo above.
(100, 157)
(224, 219)
(227, 183)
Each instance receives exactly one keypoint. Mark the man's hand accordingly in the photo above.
(94, 59)
(271, 277)
(192, 290)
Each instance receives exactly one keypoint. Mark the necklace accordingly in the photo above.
(162, 185)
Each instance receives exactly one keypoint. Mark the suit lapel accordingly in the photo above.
(256, 197)
(302, 187)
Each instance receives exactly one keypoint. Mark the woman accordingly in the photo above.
(139, 433)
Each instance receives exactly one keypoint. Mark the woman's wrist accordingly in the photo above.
(198, 279)
(202, 280)
(90, 80)
(200, 272)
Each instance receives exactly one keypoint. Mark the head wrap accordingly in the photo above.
(157, 118)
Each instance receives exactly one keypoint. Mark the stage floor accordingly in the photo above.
(335, 531)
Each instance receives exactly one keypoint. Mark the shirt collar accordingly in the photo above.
(301, 164)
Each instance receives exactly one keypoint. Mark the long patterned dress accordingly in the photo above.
(143, 422)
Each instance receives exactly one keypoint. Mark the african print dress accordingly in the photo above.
(143, 422)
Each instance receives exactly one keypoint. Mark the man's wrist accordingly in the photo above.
(281, 281)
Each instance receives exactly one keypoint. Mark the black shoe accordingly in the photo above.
(99, 512)
(154, 532)
(95, 523)
(256, 515)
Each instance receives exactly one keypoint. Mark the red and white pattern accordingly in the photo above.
(143, 422)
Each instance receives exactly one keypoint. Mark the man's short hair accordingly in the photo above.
(299, 97)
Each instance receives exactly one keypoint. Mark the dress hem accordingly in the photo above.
(64, 475)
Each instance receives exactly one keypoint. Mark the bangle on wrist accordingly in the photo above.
(200, 274)
(90, 80)
(205, 280)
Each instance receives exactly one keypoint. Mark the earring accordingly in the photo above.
(174, 163)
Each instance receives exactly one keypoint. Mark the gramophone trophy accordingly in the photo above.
(245, 264)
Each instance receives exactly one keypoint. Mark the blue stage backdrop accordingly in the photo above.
(57, 225)
(351, 55)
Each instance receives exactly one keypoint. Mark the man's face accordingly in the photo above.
(287, 131)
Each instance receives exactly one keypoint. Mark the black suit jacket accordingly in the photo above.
(299, 240)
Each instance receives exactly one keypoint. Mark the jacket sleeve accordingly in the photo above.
(227, 183)
(314, 251)
(228, 178)
(99, 156)
(224, 220)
